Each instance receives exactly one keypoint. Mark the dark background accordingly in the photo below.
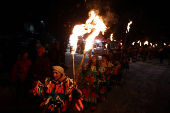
(150, 18)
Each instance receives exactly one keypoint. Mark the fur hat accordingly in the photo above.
(59, 69)
(41, 50)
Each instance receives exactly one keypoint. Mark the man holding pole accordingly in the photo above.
(58, 92)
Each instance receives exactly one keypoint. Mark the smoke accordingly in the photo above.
(104, 9)
(109, 17)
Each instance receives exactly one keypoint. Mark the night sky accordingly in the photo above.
(150, 18)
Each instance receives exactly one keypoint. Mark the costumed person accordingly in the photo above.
(91, 77)
(20, 75)
(58, 92)
(41, 67)
(108, 72)
(115, 62)
(124, 62)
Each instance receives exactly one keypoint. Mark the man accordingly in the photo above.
(20, 75)
(58, 92)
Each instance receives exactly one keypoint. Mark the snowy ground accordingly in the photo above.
(145, 90)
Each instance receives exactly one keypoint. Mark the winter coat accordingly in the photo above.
(55, 94)
(41, 67)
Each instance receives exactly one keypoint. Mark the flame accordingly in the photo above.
(164, 44)
(111, 37)
(146, 42)
(106, 45)
(128, 26)
(155, 44)
(151, 44)
(133, 43)
(140, 43)
(94, 25)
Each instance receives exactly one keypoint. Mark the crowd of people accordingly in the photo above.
(43, 73)
(99, 76)
(145, 53)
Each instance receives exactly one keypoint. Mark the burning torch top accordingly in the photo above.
(93, 25)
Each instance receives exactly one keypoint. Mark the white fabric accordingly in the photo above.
(59, 69)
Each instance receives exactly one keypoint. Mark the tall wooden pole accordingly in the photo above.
(73, 70)
(80, 67)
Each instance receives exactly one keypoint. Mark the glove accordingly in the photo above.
(75, 94)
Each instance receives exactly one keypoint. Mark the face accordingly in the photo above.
(40, 54)
(94, 59)
(56, 75)
(104, 59)
(25, 56)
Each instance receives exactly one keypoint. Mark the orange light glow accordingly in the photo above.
(146, 42)
(94, 25)
(128, 26)
(111, 37)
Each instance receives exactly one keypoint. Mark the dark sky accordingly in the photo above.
(150, 18)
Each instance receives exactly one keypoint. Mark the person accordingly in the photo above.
(91, 77)
(20, 74)
(54, 54)
(107, 70)
(58, 92)
(117, 76)
(41, 67)
(161, 55)
(112, 58)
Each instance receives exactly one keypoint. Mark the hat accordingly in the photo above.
(41, 50)
(59, 69)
